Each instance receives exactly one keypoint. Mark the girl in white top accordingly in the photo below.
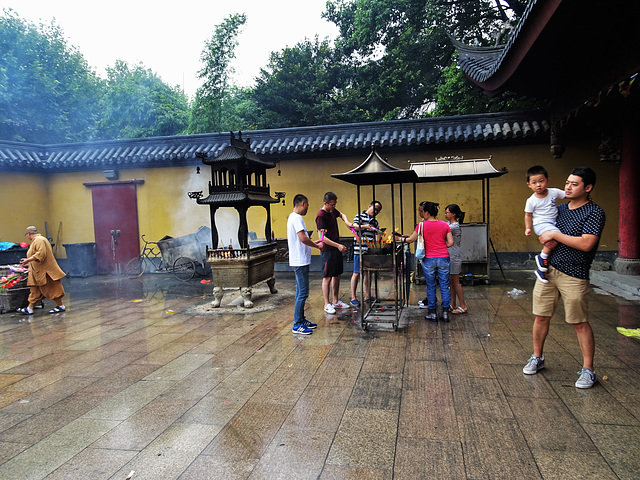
(454, 215)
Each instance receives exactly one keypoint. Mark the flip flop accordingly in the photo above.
(459, 310)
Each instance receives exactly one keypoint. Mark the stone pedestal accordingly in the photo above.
(242, 269)
(627, 266)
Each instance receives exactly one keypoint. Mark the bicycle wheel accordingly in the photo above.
(184, 269)
(135, 267)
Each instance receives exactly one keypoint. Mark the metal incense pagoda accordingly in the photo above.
(239, 180)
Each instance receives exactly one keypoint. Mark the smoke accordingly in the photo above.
(227, 223)
(186, 215)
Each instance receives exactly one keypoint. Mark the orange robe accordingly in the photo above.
(44, 272)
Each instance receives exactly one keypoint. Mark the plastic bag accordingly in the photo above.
(420, 244)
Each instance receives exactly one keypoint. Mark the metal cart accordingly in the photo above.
(475, 236)
(384, 310)
(16, 296)
(376, 171)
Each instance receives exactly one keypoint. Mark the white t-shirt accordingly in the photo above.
(544, 210)
(299, 253)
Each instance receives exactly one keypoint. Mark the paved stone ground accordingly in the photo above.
(140, 375)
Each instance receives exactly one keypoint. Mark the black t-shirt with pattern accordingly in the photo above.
(589, 219)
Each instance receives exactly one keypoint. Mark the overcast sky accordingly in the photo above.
(168, 36)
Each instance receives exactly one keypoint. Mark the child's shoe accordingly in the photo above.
(540, 275)
(541, 263)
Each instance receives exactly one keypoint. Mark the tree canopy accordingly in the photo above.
(48, 94)
(137, 103)
(392, 59)
(207, 114)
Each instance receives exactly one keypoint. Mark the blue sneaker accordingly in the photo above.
(541, 263)
(309, 324)
(355, 302)
(302, 330)
(540, 275)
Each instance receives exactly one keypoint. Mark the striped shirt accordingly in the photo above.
(367, 235)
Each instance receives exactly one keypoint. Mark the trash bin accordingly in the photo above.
(12, 255)
(81, 260)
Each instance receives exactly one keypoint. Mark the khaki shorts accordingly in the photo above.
(574, 292)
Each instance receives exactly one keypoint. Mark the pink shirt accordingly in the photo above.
(435, 238)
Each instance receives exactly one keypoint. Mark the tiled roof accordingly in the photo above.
(355, 138)
(481, 63)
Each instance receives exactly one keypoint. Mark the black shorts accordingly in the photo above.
(331, 263)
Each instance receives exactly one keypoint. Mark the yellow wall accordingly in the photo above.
(164, 208)
(508, 192)
(23, 202)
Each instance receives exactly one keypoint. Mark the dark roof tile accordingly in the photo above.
(347, 139)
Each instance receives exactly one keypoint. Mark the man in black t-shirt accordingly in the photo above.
(581, 222)
(327, 223)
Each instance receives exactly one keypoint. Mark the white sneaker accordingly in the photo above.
(328, 308)
(586, 379)
(340, 304)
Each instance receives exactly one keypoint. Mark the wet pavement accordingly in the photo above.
(143, 376)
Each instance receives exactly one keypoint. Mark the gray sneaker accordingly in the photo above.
(432, 316)
(586, 379)
(533, 365)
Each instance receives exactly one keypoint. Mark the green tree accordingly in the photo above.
(302, 85)
(48, 94)
(207, 114)
(392, 59)
(137, 103)
(398, 50)
(456, 95)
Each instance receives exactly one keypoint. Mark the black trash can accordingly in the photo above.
(81, 259)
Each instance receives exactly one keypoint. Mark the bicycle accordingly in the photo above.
(183, 268)
(138, 265)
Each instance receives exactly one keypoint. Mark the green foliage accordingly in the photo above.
(208, 113)
(392, 59)
(48, 94)
(302, 85)
(456, 95)
(137, 103)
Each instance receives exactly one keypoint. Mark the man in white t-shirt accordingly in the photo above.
(299, 259)
(540, 213)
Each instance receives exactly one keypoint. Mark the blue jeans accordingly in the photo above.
(439, 267)
(302, 293)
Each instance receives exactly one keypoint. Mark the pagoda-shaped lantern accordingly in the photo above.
(239, 180)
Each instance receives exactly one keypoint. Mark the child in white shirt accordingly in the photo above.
(540, 214)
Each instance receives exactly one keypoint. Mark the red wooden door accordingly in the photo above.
(115, 224)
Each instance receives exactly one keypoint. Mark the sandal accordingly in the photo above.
(57, 310)
(459, 310)
(24, 311)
